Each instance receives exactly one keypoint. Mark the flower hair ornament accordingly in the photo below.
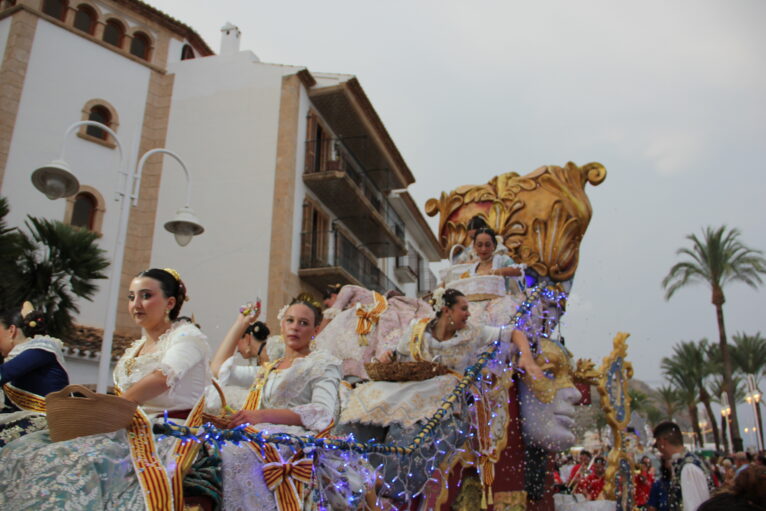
(282, 312)
(437, 299)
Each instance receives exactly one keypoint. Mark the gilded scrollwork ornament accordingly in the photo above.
(542, 216)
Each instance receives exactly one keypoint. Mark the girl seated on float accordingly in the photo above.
(402, 407)
(469, 254)
(167, 369)
(33, 367)
(491, 262)
(296, 394)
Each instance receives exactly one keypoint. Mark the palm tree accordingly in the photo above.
(685, 386)
(57, 264)
(690, 362)
(749, 357)
(718, 259)
(9, 252)
(717, 391)
(668, 401)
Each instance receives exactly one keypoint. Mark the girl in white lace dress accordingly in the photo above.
(166, 369)
(295, 394)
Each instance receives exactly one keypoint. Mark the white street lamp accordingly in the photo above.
(753, 397)
(57, 180)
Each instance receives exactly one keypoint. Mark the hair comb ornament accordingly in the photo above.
(174, 273)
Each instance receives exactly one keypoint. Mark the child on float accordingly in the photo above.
(402, 407)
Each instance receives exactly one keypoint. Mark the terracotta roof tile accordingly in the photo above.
(85, 342)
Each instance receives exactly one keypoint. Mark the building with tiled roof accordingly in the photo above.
(295, 177)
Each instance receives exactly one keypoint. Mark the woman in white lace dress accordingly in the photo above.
(167, 369)
(296, 394)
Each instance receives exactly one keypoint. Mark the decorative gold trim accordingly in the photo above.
(618, 452)
(542, 216)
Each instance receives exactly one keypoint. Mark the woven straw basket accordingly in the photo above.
(73, 416)
(405, 371)
(221, 420)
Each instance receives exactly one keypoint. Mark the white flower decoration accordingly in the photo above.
(438, 298)
(282, 312)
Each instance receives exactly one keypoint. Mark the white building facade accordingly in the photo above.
(294, 176)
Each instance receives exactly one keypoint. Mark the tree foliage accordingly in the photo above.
(52, 266)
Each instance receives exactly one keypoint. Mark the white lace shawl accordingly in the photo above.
(309, 387)
(456, 353)
(182, 354)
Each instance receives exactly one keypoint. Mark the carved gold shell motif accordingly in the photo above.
(542, 216)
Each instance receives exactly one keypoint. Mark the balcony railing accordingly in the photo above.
(332, 249)
(330, 154)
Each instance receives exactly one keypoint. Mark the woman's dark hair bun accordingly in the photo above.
(259, 330)
(34, 323)
(487, 230)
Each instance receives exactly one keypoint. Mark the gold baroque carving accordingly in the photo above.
(615, 401)
(542, 216)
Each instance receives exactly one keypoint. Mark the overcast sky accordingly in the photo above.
(669, 95)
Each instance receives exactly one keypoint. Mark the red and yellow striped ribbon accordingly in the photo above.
(24, 400)
(184, 453)
(150, 471)
(253, 401)
(287, 478)
(367, 318)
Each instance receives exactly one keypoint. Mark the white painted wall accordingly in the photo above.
(224, 124)
(81, 370)
(60, 80)
(175, 46)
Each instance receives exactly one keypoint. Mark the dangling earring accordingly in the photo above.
(167, 315)
(451, 323)
(313, 344)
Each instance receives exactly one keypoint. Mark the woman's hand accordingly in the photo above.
(246, 417)
(250, 311)
(528, 364)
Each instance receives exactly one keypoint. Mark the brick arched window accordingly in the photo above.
(85, 19)
(101, 111)
(114, 32)
(85, 209)
(140, 45)
(56, 8)
(187, 53)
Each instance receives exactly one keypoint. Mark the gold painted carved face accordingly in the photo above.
(557, 366)
(548, 405)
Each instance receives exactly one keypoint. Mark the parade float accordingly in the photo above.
(489, 444)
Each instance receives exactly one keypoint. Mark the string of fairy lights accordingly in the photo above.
(208, 433)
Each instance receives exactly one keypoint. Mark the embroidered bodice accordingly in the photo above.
(309, 387)
(456, 353)
(182, 354)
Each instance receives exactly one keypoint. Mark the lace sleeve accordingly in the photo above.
(318, 414)
(236, 375)
(186, 348)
